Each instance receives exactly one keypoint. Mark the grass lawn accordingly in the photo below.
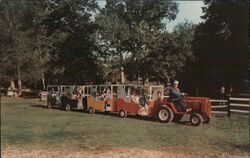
(27, 123)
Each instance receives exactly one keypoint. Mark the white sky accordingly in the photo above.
(189, 10)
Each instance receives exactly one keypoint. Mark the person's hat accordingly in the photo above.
(176, 82)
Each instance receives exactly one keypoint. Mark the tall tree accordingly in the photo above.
(12, 52)
(25, 42)
(39, 43)
(125, 24)
(74, 57)
(221, 46)
(167, 54)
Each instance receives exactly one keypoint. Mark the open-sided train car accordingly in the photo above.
(103, 97)
(67, 97)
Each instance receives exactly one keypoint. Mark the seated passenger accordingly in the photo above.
(95, 95)
(53, 93)
(176, 97)
(99, 96)
(135, 97)
(168, 87)
(144, 104)
(79, 94)
(159, 95)
(49, 94)
(141, 101)
(66, 92)
(79, 97)
(106, 94)
(74, 94)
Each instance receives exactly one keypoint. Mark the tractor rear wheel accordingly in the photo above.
(196, 119)
(165, 115)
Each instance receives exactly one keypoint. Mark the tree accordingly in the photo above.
(74, 57)
(221, 46)
(38, 42)
(125, 23)
(183, 34)
(11, 50)
(26, 44)
(167, 54)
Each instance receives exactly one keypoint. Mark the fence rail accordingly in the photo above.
(232, 104)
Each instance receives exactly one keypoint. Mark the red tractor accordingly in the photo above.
(200, 110)
(160, 107)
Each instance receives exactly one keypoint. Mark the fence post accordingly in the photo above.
(228, 106)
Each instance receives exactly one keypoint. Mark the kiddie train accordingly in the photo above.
(148, 101)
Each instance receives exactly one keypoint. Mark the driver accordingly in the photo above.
(176, 97)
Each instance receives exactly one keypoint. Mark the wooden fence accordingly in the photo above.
(231, 105)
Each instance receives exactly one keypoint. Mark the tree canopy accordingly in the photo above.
(135, 31)
(221, 45)
(77, 42)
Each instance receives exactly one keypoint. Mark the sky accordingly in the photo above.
(188, 10)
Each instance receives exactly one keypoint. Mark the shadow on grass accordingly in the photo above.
(57, 107)
(187, 123)
(242, 147)
(137, 117)
(115, 115)
(45, 107)
(29, 97)
(39, 106)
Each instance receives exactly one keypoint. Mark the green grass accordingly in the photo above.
(26, 123)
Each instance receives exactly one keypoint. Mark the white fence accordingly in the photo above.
(231, 105)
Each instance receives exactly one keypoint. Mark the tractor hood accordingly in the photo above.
(196, 99)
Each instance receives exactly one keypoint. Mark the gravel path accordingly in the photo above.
(111, 153)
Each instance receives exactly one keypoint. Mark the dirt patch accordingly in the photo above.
(110, 153)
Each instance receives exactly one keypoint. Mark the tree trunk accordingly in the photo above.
(147, 81)
(40, 56)
(138, 78)
(19, 77)
(121, 69)
(12, 85)
(122, 75)
(43, 79)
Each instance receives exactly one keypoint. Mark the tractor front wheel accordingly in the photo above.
(196, 119)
